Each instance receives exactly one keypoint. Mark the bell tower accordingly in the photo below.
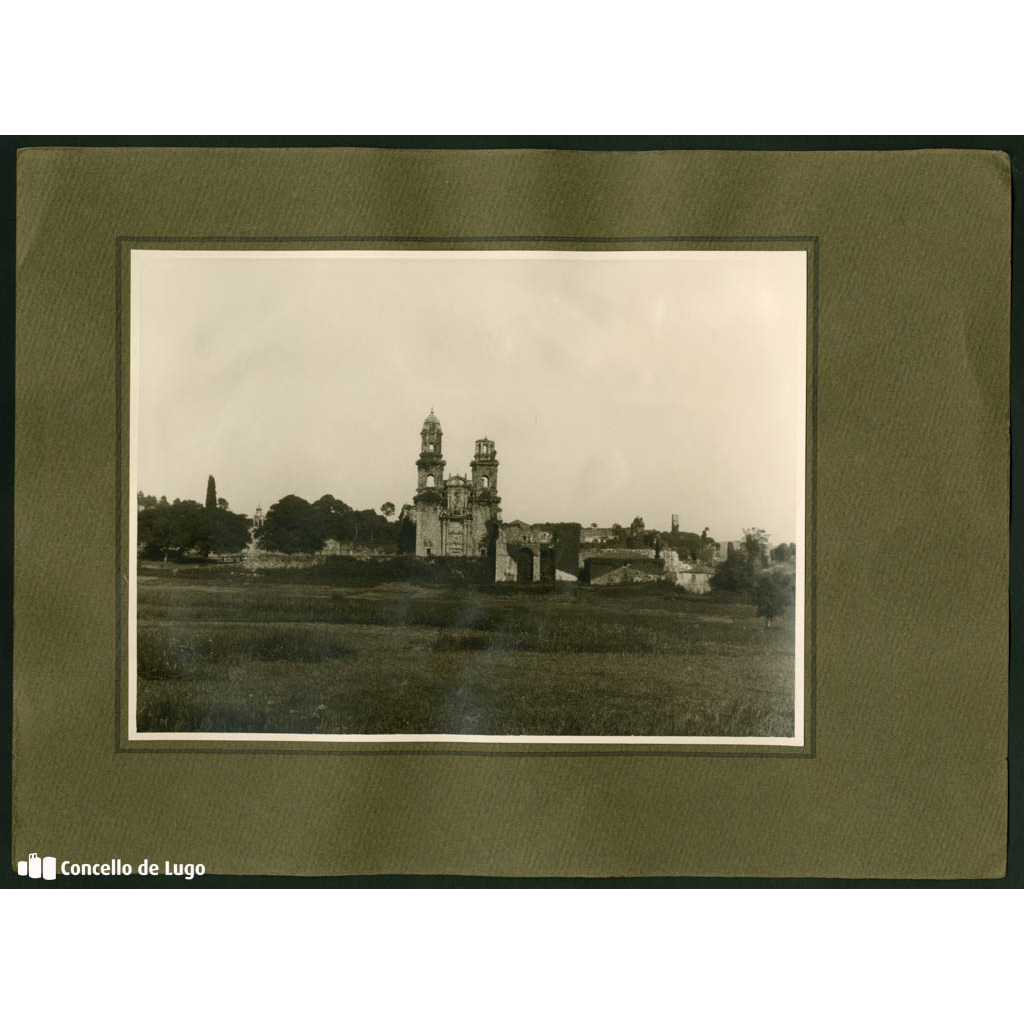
(485, 503)
(430, 464)
(430, 490)
(485, 469)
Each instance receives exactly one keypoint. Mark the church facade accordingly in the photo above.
(454, 516)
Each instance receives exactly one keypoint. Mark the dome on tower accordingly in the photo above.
(431, 422)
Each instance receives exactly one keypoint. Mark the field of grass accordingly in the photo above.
(234, 652)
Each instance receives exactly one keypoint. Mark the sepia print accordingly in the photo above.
(501, 496)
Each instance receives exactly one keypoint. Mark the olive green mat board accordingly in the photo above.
(902, 768)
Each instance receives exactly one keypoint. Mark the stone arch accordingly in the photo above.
(524, 565)
(548, 564)
(430, 480)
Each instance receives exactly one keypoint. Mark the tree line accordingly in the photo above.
(174, 529)
(181, 528)
(294, 525)
(746, 570)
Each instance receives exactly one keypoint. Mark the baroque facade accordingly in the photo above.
(455, 517)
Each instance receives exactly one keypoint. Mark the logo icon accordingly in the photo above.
(37, 867)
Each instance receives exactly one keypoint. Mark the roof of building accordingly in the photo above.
(626, 574)
(431, 420)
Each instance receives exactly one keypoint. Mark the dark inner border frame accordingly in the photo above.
(808, 243)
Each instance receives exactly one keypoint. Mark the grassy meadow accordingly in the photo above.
(227, 650)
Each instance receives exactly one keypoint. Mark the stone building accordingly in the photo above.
(460, 517)
(598, 562)
(596, 535)
(455, 517)
(642, 565)
(625, 574)
(533, 552)
(691, 576)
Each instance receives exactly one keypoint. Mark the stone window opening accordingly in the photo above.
(485, 481)
(430, 479)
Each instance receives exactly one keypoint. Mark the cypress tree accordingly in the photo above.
(211, 493)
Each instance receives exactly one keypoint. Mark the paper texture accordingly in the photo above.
(906, 777)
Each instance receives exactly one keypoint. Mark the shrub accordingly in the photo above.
(773, 595)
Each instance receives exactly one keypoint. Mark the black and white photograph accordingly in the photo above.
(502, 496)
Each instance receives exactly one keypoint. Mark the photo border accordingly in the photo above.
(539, 747)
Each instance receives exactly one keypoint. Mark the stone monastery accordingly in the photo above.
(460, 517)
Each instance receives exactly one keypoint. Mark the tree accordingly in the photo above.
(636, 533)
(335, 516)
(173, 529)
(406, 538)
(387, 510)
(228, 531)
(293, 525)
(211, 493)
(743, 564)
(368, 526)
(756, 543)
(343, 523)
(755, 551)
(154, 527)
(182, 527)
(732, 573)
(705, 546)
(773, 595)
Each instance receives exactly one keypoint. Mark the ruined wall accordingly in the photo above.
(621, 554)
(505, 570)
(695, 582)
(349, 549)
(596, 534)
(565, 539)
(512, 539)
(686, 574)
(553, 547)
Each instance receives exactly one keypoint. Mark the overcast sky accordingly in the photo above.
(614, 385)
